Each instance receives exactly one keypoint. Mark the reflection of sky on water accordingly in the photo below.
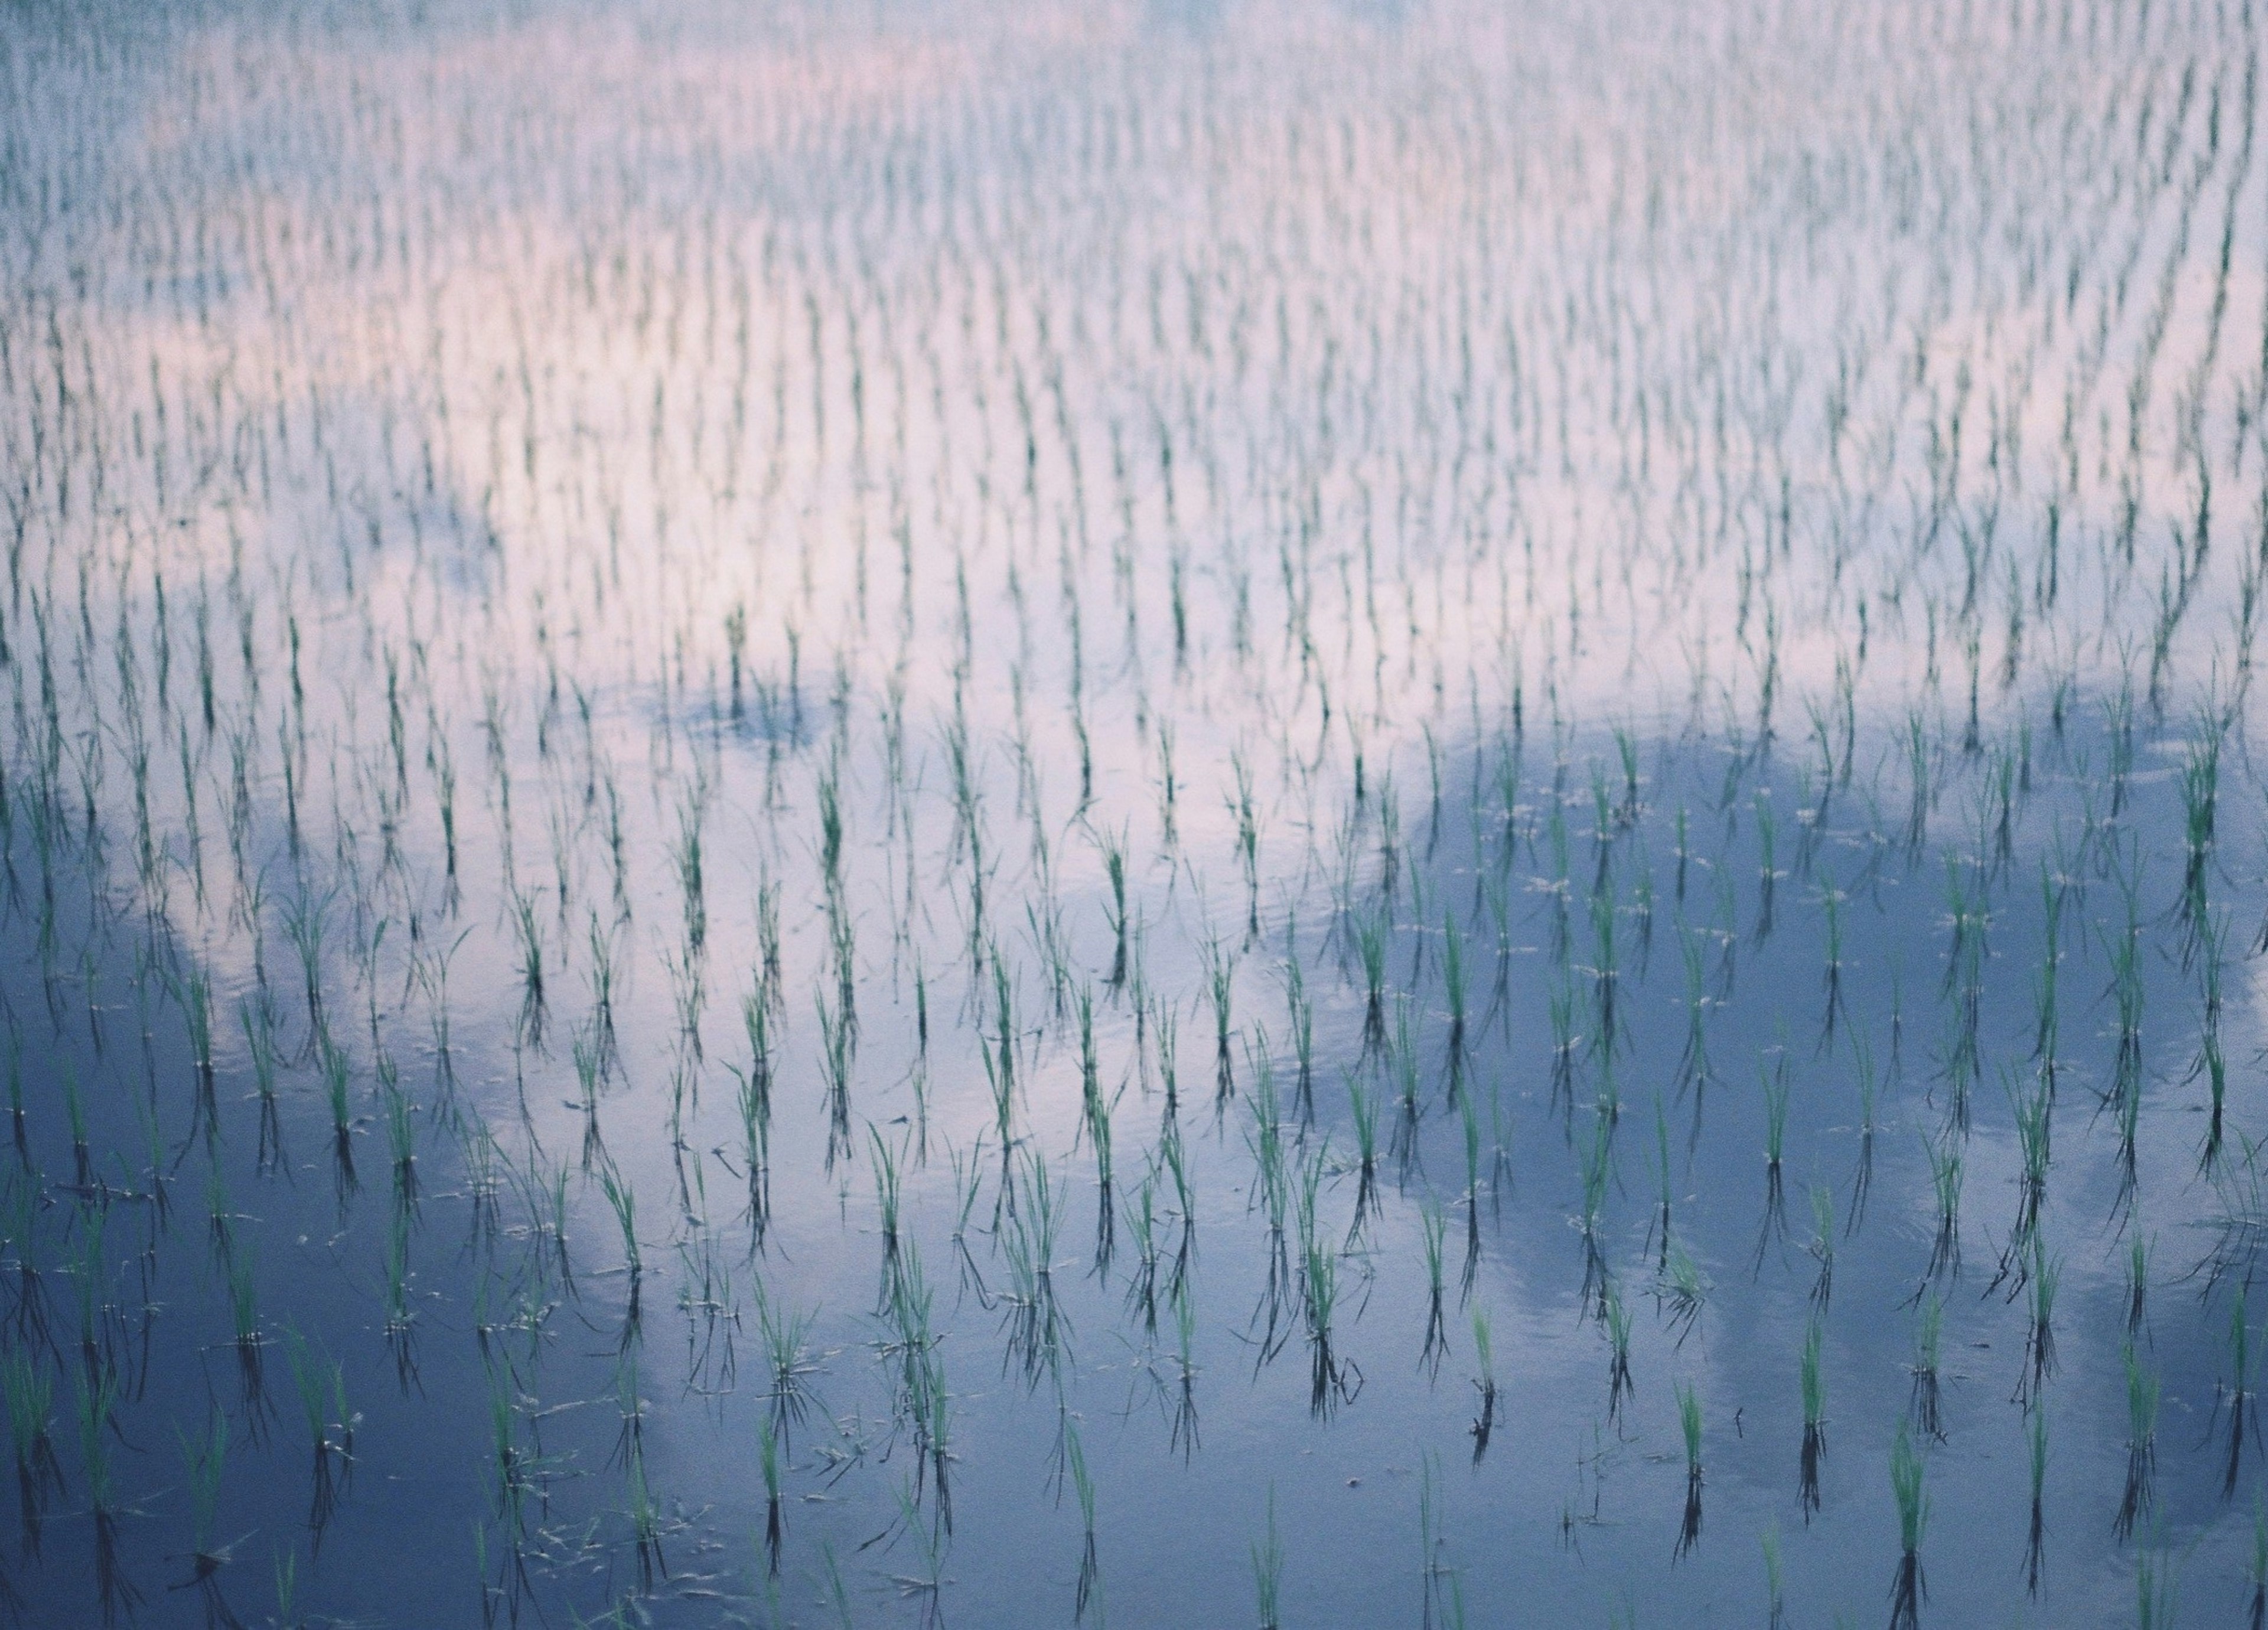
(1316, 391)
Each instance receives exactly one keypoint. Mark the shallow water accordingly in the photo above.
(618, 588)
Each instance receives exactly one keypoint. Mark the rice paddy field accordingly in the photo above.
(1161, 814)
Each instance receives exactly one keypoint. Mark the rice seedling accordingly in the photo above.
(75, 1113)
(1436, 1344)
(1372, 937)
(1483, 1355)
(1402, 1060)
(1680, 1293)
(622, 1200)
(1929, 1338)
(1037, 1327)
(1363, 1118)
(1332, 1378)
(1823, 1245)
(30, 1392)
(1908, 1588)
(2033, 1116)
(768, 1446)
(2200, 777)
(2039, 1336)
(1777, 1088)
(401, 1133)
(205, 1459)
(1945, 1174)
(2127, 991)
(97, 1404)
(1689, 1427)
(1693, 1062)
(1767, 872)
(1814, 1390)
(1083, 1484)
(2142, 1397)
(2154, 1590)
(1453, 984)
(2209, 1063)
(1182, 1434)
(2139, 1249)
(337, 1075)
(836, 1050)
(1220, 984)
(1268, 1571)
(2237, 1393)
(1620, 1386)
(888, 1190)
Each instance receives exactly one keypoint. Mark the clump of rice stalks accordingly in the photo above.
(1183, 1434)
(1333, 1378)
(258, 1022)
(622, 1200)
(30, 1430)
(1679, 1291)
(1689, 1426)
(1908, 1588)
(205, 1458)
(1814, 1389)
(2154, 1590)
(2047, 1019)
(837, 1048)
(1945, 1172)
(2041, 1284)
(2138, 1281)
(338, 1073)
(98, 1407)
(1436, 1344)
(1083, 1487)
(768, 1444)
(1693, 1063)
(1777, 1089)
(2033, 1114)
(1114, 867)
(321, 1386)
(400, 1132)
(244, 1320)
(1363, 1116)
(2200, 783)
(1037, 1326)
(888, 1189)
(1929, 1337)
(1371, 935)
(1453, 984)
(1220, 991)
(2243, 1410)
(2142, 1393)
(1268, 1571)
(1483, 1355)
(1617, 1319)
(2210, 1064)
(2127, 993)
(788, 1364)
(1823, 1245)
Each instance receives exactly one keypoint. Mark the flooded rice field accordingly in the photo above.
(1152, 814)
